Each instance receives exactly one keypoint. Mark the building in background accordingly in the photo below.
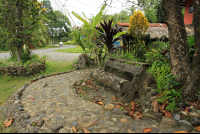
(188, 16)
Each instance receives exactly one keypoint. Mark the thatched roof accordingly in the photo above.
(157, 30)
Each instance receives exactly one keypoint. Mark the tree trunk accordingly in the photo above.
(192, 84)
(179, 50)
(19, 29)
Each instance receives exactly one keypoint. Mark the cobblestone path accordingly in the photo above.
(51, 105)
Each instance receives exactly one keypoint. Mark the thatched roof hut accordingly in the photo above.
(157, 30)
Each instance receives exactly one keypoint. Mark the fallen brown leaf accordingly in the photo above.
(92, 98)
(197, 107)
(7, 124)
(101, 103)
(118, 106)
(74, 129)
(167, 114)
(86, 131)
(147, 130)
(96, 90)
(114, 98)
(137, 117)
(95, 123)
(180, 132)
(197, 128)
(131, 113)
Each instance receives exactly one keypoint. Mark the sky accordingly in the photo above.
(89, 7)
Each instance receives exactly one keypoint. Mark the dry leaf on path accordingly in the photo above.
(167, 114)
(137, 117)
(7, 124)
(101, 103)
(86, 131)
(180, 132)
(118, 106)
(131, 113)
(6, 120)
(74, 129)
(95, 123)
(197, 128)
(147, 130)
(96, 90)
(114, 98)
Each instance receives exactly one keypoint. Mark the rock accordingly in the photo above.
(25, 116)
(103, 131)
(21, 72)
(147, 89)
(126, 112)
(194, 114)
(150, 115)
(114, 119)
(69, 130)
(155, 130)
(35, 67)
(57, 127)
(195, 121)
(90, 129)
(109, 106)
(82, 61)
(118, 111)
(153, 92)
(36, 129)
(184, 123)
(20, 109)
(129, 131)
(87, 125)
(38, 122)
(27, 131)
(192, 108)
(120, 125)
(177, 117)
(159, 116)
(168, 121)
(62, 131)
(27, 121)
(74, 123)
(107, 113)
(40, 116)
(123, 120)
(146, 111)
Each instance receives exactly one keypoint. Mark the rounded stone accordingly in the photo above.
(118, 111)
(36, 129)
(25, 116)
(123, 120)
(74, 123)
(168, 121)
(57, 127)
(109, 106)
(62, 131)
(177, 117)
(120, 125)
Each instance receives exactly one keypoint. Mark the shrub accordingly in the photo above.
(138, 24)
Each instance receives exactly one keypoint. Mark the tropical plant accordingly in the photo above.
(107, 34)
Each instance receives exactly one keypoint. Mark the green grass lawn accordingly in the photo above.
(71, 50)
(9, 84)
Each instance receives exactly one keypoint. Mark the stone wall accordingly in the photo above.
(21, 70)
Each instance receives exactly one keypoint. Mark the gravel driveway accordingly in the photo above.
(58, 56)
